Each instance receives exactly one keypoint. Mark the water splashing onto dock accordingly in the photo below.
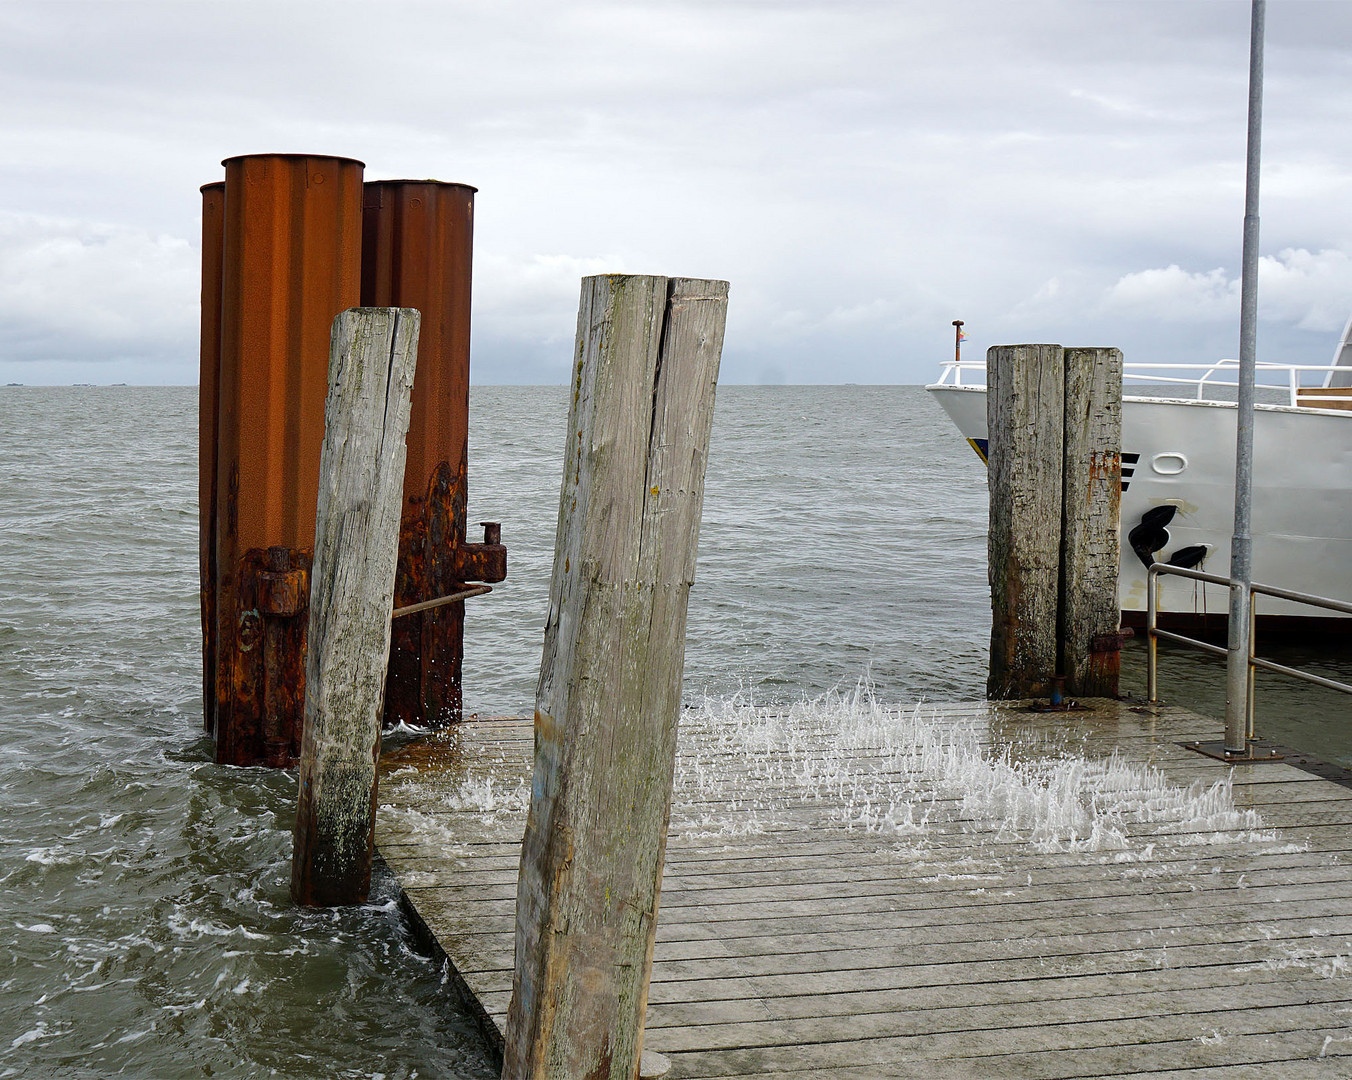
(901, 770)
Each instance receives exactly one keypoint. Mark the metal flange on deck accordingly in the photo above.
(1255, 752)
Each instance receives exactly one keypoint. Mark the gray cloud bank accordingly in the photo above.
(863, 173)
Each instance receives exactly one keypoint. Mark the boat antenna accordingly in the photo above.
(1238, 675)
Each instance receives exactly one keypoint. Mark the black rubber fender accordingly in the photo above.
(1151, 535)
(1188, 557)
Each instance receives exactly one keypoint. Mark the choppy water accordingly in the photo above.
(843, 534)
(144, 900)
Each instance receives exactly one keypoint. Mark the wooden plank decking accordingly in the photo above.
(955, 892)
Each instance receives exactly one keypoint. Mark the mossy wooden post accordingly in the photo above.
(1025, 395)
(1090, 539)
(361, 484)
(646, 366)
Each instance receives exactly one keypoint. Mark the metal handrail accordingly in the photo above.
(1150, 373)
(1153, 632)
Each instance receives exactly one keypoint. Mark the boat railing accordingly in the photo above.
(1304, 385)
(1153, 633)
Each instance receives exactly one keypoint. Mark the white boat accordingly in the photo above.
(1178, 450)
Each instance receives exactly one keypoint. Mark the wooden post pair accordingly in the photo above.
(1054, 425)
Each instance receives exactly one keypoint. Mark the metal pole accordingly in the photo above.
(1238, 670)
(957, 341)
(1151, 642)
(441, 601)
(1253, 672)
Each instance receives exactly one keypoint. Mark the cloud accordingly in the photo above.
(1309, 290)
(862, 173)
(1306, 290)
(533, 298)
(1172, 294)
(72, 290)
(870, 312)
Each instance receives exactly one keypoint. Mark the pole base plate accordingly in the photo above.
(1255, 752)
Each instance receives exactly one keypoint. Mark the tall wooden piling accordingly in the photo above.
(608, 700)
(1025, 406)
(1054, 429)
(1091, 520)
(361, 477)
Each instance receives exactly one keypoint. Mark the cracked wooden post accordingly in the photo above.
(646, 366)
(361, 478)
(1091, 538)
(1025, 410)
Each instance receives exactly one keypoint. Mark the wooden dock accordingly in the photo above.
(942, 892)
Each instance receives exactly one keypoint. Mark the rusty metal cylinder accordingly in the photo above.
(417, 242)
(208, 392)
(291, 263)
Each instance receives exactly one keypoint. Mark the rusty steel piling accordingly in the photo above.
(417, 242)
(289, 242)
(208, 394)
(291, 261)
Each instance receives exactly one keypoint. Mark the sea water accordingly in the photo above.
(145, 903)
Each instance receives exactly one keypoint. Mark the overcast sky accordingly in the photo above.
(862, 173)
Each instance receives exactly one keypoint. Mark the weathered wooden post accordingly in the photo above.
(1090, 546)
(361, 478)
(1025, 395)
(607, 705)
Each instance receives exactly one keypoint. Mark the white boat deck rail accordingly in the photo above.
(1153, 633)
(1207, 381)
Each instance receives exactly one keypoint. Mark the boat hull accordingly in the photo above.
(1182, 453)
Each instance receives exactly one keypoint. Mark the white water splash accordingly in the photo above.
(907, 774)
(1314, 959)
(488, 795)
(901, 771)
